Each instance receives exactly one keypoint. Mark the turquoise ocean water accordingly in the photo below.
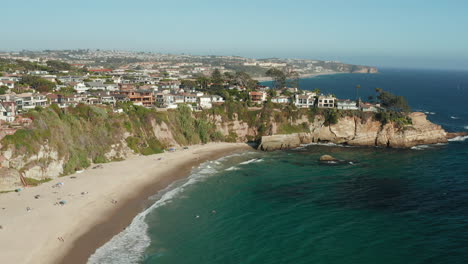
(394, 206)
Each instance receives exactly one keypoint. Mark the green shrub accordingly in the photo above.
(34, 182)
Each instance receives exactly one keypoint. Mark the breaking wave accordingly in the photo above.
(459, 138)
(423, 147)
(454, 117)
(251, 161)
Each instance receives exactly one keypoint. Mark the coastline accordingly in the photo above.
(87, 221)
(302, 76)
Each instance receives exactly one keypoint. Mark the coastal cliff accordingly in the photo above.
(357, 131)
(63, 141)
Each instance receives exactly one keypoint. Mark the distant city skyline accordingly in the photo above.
(416, 34)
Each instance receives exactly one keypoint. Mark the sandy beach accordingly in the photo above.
(99, 203)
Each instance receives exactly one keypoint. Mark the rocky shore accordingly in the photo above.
(363, 132)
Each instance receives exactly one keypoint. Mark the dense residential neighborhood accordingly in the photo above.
(29, 81)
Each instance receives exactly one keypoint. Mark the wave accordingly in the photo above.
(233, 168)
(465, 127)
(429, 113)
(129, 245)
(328, 144)
(454, 117)
(256, 160)
(459, 138)
(423, 147)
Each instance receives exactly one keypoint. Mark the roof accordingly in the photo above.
(257, 93)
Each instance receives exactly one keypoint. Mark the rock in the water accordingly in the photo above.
(327, 158)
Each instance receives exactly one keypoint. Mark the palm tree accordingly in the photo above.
(357, 91)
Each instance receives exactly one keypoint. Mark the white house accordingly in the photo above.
(346, 105)
(80, 87)
(281, 99)
(367, 107)
(304, 100)
(28, 101)
(9, 84)
(205, 102)
(190, 98)
(217, 99)
(326, 101)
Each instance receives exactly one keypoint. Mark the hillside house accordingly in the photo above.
(304, 100)
(281, 99)
(326, 101)
(8, 111)
(258, 97)
(142, 97)
(346, 105)
(205, 102)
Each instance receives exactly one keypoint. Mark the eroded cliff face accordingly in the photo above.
(362, 132)
(47, 163)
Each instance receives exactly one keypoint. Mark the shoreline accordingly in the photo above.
(302, 76)
(86, 222)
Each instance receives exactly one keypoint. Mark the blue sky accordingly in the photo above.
(397, 33)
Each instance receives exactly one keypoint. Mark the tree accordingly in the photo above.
(3, 89)
(392, 102)
(293, 79)
(188, 84)
(358, 87)
(278, 76)
(55, 65)
(243, 79)
(37, 83)
(217, 78)
(316, 91)
(202, 82)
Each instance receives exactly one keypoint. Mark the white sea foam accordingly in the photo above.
(423, 147)
(328, 144)
(248, 161)
(233, 168)
(129, 245)
(459, 138)
(465, 127)
(454, 117)
(429, 113)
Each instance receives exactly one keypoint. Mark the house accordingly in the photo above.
(205, 102)
(26, 101)
(190, 98)
(258, 97)
(140, 97)
(281, 99)
(179, 99)
(126, 87)
(80, 88)
(326, 101)
(8, 111)
(368, 107)
(304, 100)
(216, 99)
(347, 105)
(9, 84)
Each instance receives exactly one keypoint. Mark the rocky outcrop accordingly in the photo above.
(362, 132)
(276, 142)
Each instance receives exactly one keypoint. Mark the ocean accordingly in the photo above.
(390, 206)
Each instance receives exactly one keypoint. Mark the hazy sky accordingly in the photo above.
(397, 33)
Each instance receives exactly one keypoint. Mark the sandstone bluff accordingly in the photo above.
(46, 162)
(362, 132)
